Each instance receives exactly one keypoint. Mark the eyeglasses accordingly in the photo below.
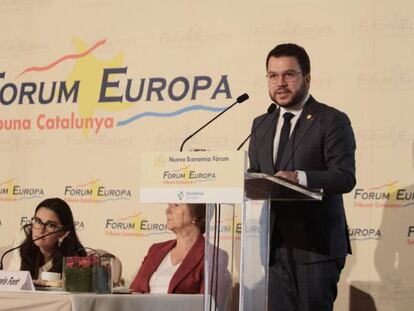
(49, 226)
(288, 76)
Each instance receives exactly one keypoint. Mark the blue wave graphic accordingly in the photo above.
(114, 199)
(28, 198)
(169, 114)
(156, 233)
(364, 239)
(205, 180)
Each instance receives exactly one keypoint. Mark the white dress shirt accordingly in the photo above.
(296, 111)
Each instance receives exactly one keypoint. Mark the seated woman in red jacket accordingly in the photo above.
(176, 266)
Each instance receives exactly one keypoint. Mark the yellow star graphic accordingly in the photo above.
(94, 187)
(88, 70)
(136, 220)
(10, 188)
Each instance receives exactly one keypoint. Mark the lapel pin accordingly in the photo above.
(309, 117)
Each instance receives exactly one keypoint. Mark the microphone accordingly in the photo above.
(270, 110)
(25, 228)
(239, 100)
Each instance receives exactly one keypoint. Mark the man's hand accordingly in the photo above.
(293, 176)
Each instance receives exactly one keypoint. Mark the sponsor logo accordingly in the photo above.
(137, 225)
(362, 234)
(95, 191)
(10, 190)
(187, 175)
(79, 224)
(190, 195)
(99, 91)
(180, 195)
(384, 196)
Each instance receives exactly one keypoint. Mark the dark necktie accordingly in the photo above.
(284, 137)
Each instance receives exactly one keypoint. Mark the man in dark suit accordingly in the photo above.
(311, 144)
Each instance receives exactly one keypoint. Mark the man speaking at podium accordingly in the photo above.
(312, 144)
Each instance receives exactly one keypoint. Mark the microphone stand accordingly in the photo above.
(270, 110)
(240, 99)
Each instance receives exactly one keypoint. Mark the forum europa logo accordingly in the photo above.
(95, 191)
(101, 94)
(11, 190)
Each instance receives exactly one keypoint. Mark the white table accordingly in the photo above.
(61, 301)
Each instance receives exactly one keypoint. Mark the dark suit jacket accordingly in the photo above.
(189, 277)
(323, 146)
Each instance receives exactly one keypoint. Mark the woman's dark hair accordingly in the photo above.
(30, 254)
(198, 213)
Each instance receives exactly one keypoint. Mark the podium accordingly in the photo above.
(260, 191)
(236, 270)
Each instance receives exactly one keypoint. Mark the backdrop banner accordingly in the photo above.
(88, 86)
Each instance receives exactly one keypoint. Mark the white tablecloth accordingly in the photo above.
(53, 301)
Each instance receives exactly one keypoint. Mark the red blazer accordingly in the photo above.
(189, 277)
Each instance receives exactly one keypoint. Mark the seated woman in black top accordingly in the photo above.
(45, 254)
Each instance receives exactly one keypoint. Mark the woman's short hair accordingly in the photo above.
(198, 213)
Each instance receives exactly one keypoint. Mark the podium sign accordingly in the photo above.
(220, 177)
(192, 177)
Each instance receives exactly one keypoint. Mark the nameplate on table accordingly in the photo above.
(11, 281)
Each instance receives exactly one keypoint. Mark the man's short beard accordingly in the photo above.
(296, 99)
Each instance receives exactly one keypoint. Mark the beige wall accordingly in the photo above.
(361, 54)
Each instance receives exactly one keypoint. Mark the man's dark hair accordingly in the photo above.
(291, 50)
